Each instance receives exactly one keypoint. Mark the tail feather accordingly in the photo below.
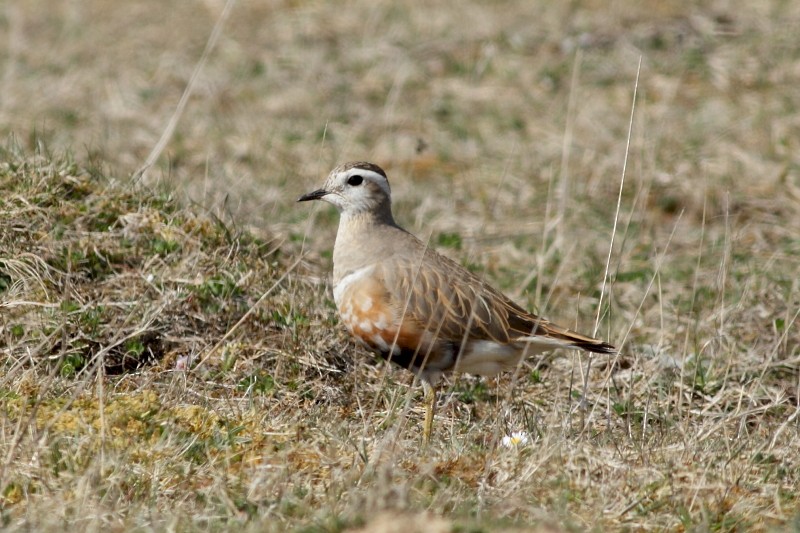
(596, 346)
(553, 336)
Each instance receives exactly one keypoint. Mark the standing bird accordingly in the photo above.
(418, 308)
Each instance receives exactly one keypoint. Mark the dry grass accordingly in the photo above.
(138, 393)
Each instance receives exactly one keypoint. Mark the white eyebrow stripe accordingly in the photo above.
(373, 176)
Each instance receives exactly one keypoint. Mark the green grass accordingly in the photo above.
(171, 358)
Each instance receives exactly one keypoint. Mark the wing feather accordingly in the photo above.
(454, 304)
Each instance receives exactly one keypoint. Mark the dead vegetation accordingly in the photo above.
(167, 366)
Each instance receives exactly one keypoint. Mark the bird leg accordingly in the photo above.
(430, 404)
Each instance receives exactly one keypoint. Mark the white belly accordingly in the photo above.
(340, 288)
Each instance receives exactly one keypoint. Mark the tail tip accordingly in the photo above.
(596, 347)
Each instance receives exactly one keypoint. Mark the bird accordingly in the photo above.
(416, 307)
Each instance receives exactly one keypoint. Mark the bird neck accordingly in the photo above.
(376, 215)
(356, 229)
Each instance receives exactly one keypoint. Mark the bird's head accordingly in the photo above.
(355, 188)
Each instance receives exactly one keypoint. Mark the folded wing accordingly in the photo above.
(455, 305)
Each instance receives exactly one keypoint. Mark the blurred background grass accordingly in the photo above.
(476, 110)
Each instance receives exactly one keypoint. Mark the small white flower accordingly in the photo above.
(182, 363)
(515, 440)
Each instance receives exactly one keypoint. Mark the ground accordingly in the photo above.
(171, 355)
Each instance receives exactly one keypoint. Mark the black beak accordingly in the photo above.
(316, 195)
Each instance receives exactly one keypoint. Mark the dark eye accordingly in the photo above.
(355, 180)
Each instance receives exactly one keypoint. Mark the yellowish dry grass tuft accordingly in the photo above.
(167, 366)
